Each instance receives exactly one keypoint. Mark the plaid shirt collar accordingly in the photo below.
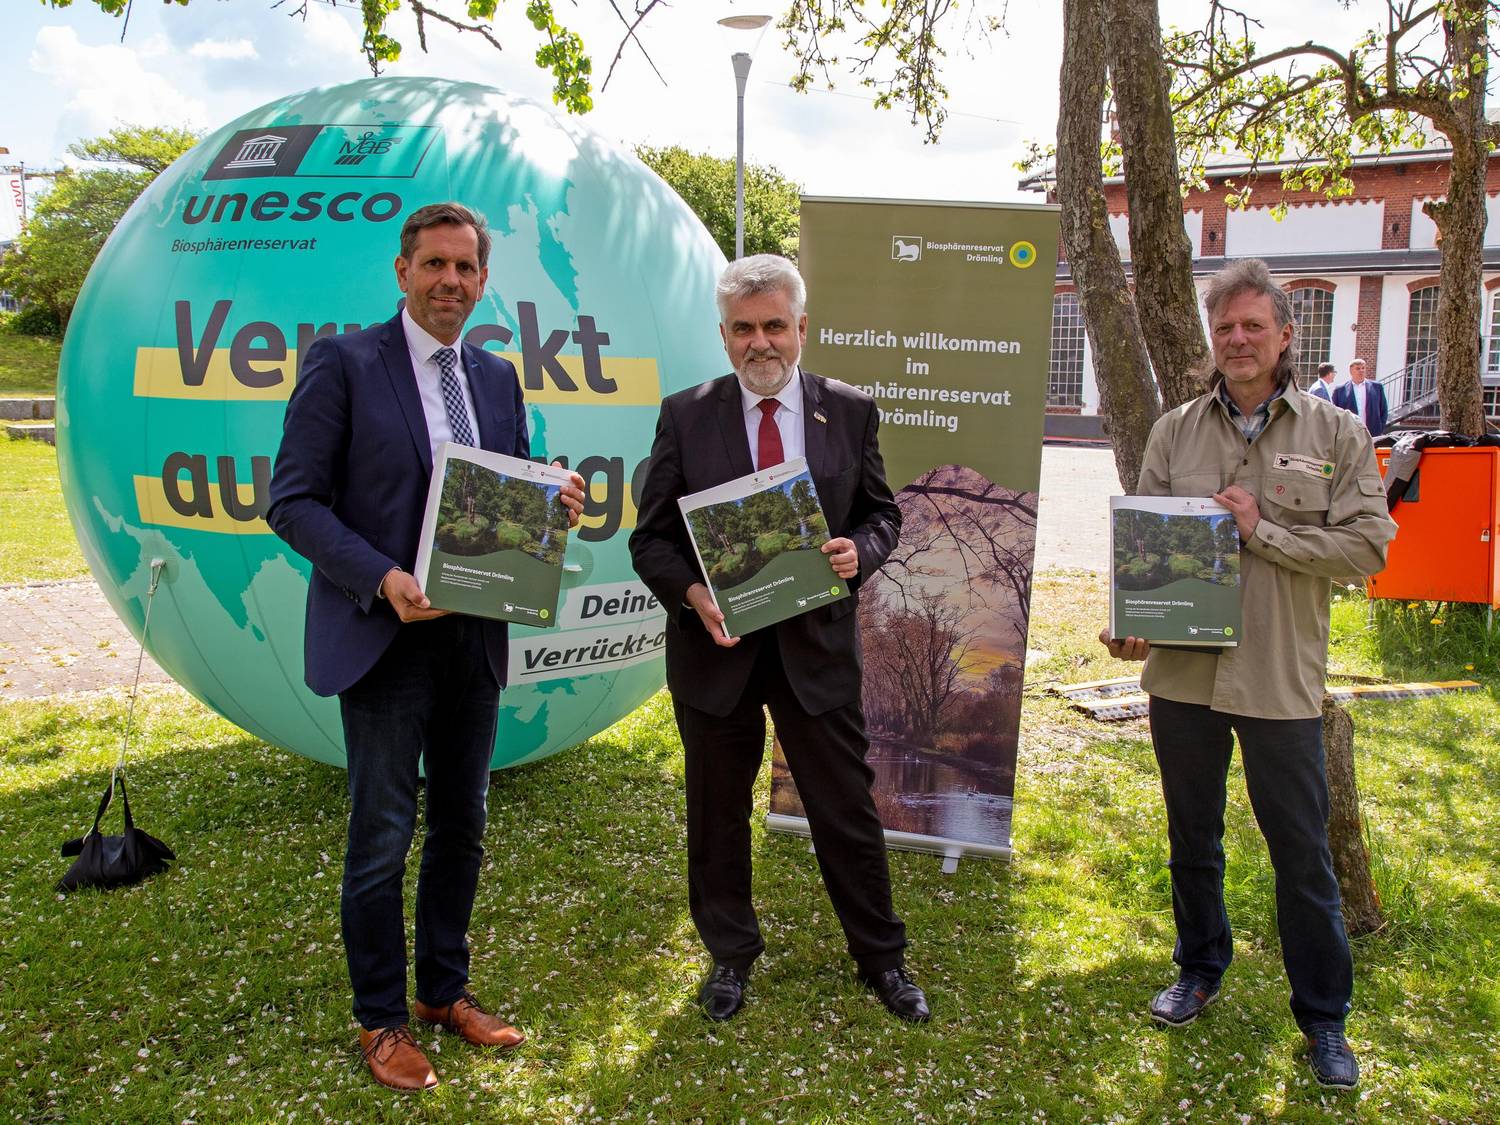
(1259, 418)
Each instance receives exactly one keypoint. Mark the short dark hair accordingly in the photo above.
(438, 214)
(1326, 369)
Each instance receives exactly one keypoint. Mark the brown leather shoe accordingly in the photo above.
(395, 1059)
(464, 1017)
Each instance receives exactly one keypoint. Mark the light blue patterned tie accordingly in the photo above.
(453, 398)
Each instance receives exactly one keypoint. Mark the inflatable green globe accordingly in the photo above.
(282, 227)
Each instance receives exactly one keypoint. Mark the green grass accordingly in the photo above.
(36, 539)
(217, 991)
(28, 365)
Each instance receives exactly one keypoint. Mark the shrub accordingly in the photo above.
(34, 320)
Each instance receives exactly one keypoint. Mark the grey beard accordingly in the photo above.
(764, 388)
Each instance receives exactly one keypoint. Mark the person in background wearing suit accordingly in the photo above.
(1364, 398)
(807, 670)
(1323, 387)
(369, 411)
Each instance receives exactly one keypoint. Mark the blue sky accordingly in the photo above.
(215, 59)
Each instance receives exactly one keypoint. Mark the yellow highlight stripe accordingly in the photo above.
(599, 493)
(158, 374)
(151, 501)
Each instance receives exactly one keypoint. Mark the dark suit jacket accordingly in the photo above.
(1374, 403)
(1319, 389)
(351, 482)
(701, 442)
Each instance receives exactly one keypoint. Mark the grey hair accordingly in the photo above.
(761, 273)
(1251, 275)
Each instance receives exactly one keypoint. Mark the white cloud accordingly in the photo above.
(101, 87)
(223, 49)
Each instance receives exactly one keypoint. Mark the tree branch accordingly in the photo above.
(630, 35)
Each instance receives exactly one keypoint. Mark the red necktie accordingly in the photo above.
(768, 451)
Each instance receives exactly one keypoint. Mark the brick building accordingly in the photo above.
(1362, 272)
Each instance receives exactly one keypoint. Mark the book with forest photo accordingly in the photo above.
(493, 536)
(1175, 571)
(758, 540)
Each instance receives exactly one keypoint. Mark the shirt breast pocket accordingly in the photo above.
(1296, 498)
(1202, 482)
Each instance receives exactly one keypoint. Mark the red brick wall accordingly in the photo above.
(1396, 184)
(1367, 334)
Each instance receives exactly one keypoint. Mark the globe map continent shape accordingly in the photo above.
(283, 226)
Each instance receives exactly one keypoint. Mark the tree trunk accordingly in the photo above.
(1346, 838)
(1161, 255)
(1122, 369)
(1461, 221)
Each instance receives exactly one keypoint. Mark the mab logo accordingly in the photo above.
(365, 146)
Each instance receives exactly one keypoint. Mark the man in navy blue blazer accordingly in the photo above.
(368, 413)
(1323, 385)
(1363, 398)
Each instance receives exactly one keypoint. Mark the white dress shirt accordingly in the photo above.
(430, 382)
(788, 418)
(1359, 402)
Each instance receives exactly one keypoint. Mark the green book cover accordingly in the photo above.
(1175, 571)
(493, 536)
(758, 542)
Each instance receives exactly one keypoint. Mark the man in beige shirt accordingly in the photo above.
(1300, 478)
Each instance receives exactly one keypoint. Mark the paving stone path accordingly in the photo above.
(60, 637)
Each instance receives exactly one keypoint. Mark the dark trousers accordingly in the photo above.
(826, 754)
(1283, 760)
(432, 697)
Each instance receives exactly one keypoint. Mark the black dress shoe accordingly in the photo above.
(1180, 1004)
(900, 994)
(1333, 1063)
(722, 994)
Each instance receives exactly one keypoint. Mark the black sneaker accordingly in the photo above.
(1333, 1063)
(1180, 1005)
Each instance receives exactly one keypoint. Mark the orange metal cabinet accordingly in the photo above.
(1445, 550)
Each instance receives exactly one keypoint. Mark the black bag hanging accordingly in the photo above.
(119, 861)
(114, 861)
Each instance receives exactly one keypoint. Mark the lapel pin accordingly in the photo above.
(818, 414)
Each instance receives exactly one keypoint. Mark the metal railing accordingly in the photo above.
(1411, 389)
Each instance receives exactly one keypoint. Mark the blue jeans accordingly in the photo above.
(432, 697)
(1283, 760)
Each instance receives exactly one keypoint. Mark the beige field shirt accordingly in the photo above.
(1322, 516)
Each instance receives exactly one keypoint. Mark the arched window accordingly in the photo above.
(1421, 344)
(1313, 311)
(1065, 375)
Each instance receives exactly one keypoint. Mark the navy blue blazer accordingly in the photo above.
(1374, 404)
(350, 486)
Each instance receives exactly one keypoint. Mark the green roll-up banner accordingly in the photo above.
(942, 312)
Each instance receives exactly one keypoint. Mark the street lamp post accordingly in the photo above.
(741, 61)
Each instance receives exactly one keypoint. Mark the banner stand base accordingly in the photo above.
(951, 850)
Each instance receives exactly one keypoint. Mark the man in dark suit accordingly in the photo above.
(1323, 385)
(806, 669)
(368, 413)
(1363, 398)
